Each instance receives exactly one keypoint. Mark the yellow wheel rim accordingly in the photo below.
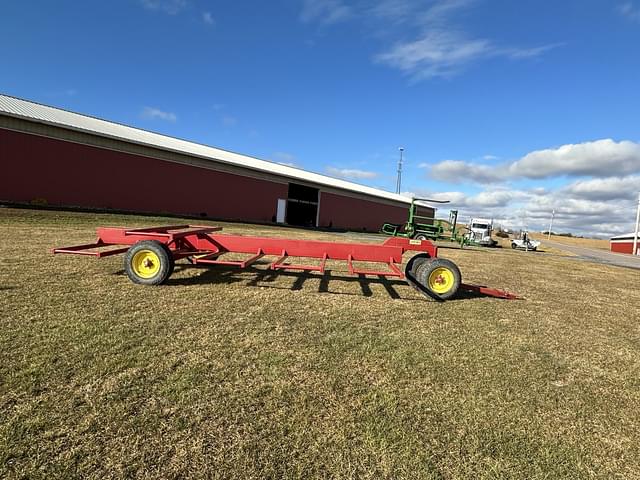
(441, 280)
(145, 263)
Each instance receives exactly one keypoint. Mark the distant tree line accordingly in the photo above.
(569, 234)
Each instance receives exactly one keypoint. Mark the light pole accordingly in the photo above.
(399, 181)
(553, 214)
(635, 236)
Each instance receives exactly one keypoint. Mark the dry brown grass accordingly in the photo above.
(578, 242)
(246, 374)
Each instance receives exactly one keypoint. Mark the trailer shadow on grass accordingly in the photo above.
(264, 278)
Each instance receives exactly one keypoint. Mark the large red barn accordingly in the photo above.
(60, 158)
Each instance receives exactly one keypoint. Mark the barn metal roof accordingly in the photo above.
(62, 118)
(626, 236)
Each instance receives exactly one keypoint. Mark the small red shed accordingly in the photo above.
(623, 244)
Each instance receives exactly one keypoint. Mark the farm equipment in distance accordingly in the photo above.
(439, 229)
(150, 255)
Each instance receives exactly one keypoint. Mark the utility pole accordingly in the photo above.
(399, 181)
(524, 235)
(635, 236)
(553, 214)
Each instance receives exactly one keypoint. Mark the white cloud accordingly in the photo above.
(152, 113)
(439, 49)
(495, 198)
(603, 189)
(585, 217)
(443, 53)
(440, 10)
(435, 54)
(428, 44)
(629, 10)
(208, 18)
(519, 53)
(171, 7)
(457, 170)
(393, 10)
(351, 173)
(325, 12)
(576, 212)
(600, 200)
(600, 158)
(482, 200)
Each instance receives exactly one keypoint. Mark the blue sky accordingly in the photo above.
(508, 109)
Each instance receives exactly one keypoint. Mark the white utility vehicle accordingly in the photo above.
(524, 243)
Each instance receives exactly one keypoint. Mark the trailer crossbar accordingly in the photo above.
(173, 232)
(209, 260)
(395, 271)
(280, 264)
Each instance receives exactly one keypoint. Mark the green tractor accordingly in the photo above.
(438, 229)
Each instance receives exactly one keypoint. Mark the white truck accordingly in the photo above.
(479, 232)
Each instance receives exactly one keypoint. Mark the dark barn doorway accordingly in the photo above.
(302, 205)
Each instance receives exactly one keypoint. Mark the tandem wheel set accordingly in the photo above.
(150, 255)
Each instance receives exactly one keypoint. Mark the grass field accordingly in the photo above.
(244, 374)
(577, 242)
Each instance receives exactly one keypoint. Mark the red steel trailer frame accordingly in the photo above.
(203, 245)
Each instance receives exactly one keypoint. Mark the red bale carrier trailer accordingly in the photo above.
(151, 253)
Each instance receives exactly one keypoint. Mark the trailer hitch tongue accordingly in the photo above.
(489, 292)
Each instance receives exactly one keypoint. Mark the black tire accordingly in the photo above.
(513, 245)
(148, 262)
(414, 262)
(172, 263)
(452, 280)
(420, 236)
